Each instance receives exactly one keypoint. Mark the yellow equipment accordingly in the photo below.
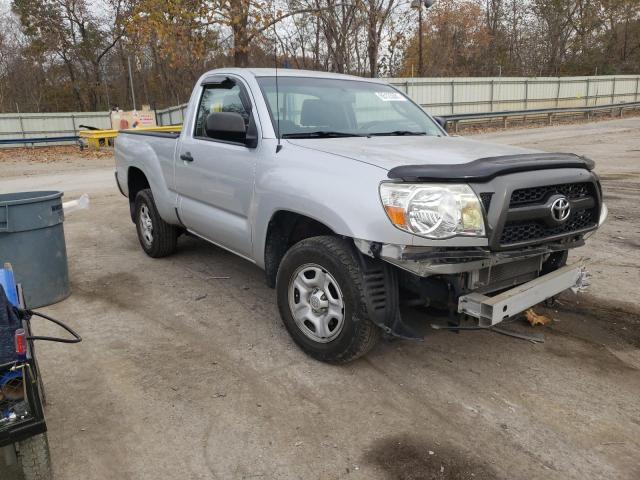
(95, 138)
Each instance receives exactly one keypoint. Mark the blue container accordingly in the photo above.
(9, 323)
(8, 282)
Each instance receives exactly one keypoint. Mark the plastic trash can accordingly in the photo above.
(32, 240)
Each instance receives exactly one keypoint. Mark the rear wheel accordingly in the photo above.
(157, 237)
(320, 297)
(34, 458)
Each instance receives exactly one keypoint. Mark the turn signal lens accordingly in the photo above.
(396, 215)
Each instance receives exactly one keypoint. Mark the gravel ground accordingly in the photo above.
(187, 372)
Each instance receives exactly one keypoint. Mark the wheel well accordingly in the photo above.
(285, 230)
(136, 181)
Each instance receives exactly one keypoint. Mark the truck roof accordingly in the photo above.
(288, 72)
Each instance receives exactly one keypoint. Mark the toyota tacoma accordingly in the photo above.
(356, 203)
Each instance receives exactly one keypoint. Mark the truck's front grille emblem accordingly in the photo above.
(560, 209)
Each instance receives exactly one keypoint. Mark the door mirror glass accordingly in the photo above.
(224, 112)
(227, 126)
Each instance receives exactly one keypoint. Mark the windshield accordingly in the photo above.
(325, 107)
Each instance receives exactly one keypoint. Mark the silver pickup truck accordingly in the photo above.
(356, 203)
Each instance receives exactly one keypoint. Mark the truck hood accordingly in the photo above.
(394, 151)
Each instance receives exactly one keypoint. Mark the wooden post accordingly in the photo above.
(613, 91)
(453, 96)
(492, 88)
(586, 97)
(22, 126)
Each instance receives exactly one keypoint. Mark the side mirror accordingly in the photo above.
(227, 126)
(441, 121)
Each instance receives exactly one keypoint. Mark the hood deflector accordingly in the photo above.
(485, 169)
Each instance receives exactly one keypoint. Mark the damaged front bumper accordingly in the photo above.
(428, 261)
(489, 286)
(492, 310)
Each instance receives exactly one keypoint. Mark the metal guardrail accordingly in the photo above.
(93, 137)
(34, 140)
(550, 113)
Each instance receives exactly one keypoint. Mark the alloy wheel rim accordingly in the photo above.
(146, 225)
(316, 303)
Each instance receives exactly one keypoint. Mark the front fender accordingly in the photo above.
(338, 192)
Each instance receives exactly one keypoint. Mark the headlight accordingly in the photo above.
(433, 211)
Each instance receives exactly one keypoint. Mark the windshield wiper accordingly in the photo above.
(397, 132)
(321, 134)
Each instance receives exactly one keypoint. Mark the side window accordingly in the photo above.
(227, 96)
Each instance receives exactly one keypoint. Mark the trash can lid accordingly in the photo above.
(20, 198)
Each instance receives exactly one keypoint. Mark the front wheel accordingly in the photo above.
(320, 297)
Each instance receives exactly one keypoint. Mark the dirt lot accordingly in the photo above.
(187, 372)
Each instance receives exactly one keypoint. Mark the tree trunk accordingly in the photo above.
(240, 12)
(372, 45)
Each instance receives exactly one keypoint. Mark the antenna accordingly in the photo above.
(275, 61)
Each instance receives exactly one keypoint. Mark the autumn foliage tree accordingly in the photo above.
(71, 33)
(455, 38)
(58, 55)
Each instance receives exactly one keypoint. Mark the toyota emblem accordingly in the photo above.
(560, 209)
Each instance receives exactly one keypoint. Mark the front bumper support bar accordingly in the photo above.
(492, 310)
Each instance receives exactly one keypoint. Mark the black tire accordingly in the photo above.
(34, 458)
(358, 335)
(164, 237)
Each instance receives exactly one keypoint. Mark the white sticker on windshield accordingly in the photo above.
(390, 97)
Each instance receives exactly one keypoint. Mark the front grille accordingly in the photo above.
(485, 198)
(538, 229)
(529, 231)
(573, 191)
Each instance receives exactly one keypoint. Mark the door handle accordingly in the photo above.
(186, 157)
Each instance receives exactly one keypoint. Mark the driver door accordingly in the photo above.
(214, 176)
